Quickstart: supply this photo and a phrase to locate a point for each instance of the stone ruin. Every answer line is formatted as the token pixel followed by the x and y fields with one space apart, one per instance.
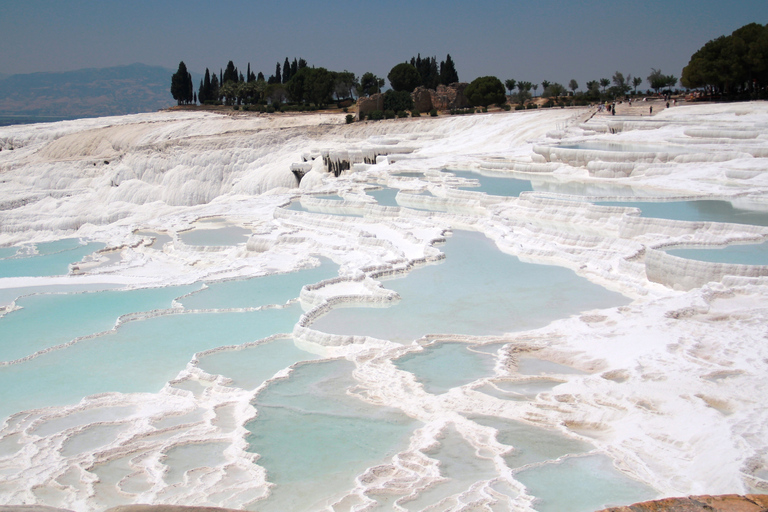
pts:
pixel 445 97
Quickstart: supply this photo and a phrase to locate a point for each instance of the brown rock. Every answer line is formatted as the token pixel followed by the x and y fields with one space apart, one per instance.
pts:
pixel 370 103
pixel 722 503
pixel 422 99
pixel 448 97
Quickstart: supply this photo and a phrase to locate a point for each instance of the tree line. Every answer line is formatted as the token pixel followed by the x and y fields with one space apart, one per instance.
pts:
pixel 297 83
pixel 733 66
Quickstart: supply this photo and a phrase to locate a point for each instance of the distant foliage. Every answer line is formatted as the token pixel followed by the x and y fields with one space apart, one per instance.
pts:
pixel 181 85
pixel 397 100
pixel 448 74
pixel 369 84
pixel 734 65
pixel 485 91
pixel 659 81
pixel 404 77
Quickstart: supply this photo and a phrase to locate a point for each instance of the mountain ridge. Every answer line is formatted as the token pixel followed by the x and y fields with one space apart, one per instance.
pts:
pixel 88 92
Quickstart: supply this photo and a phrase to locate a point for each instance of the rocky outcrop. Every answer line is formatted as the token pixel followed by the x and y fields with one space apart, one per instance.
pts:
pixel 370 103
pixel 723 503
pixel 446 97
pixel 422 99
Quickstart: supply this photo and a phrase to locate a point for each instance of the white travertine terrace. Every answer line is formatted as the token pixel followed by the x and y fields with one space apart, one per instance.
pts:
pixel 671 386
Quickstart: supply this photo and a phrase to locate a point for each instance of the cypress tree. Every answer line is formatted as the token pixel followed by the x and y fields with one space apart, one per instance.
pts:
pixel 260 76
pixel 448 74
pixel 181 84
pixel 278 74
pixel 214 89
pixel 230 74
pixel 302 63
pixel 294 66
pixel 248 74
pixel 190 89
pixel 286 71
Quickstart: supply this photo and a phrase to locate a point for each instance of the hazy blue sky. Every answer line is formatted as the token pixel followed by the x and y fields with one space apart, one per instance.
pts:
pixel 553 40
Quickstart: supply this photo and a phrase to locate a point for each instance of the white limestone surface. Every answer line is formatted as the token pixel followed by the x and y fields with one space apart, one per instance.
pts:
pixel 669 387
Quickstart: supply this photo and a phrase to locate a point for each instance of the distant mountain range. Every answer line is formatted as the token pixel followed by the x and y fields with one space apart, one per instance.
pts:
pixel 84 93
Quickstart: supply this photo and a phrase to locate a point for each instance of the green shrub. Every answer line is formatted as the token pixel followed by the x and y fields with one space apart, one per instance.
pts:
pixel 519 107
pixel 345 110
pixel 484 91
pixel 433 112
pixel 531 106
pixel 401 114
pixel 506 107
pixel 235 107
pixel 485 109
pixel 350 118
pixel 376 115
pixel 415 113
pixel 397 100
pixel 270 109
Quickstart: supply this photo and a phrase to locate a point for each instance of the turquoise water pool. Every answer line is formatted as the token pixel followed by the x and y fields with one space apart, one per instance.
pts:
pixel 742 254
pixel 477 290
pixel 699 210
pixel 509 187
pixel 314 438
pixel 52 259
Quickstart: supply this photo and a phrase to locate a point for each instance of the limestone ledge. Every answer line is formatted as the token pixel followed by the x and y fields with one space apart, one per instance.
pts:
pixel 684 274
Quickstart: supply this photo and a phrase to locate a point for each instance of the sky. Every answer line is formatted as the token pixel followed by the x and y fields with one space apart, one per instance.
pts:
pixel 554 40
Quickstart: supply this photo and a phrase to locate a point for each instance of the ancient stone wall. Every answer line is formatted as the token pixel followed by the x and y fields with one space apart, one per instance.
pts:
pixel 446 97
pixel 370 103
pixel 422 99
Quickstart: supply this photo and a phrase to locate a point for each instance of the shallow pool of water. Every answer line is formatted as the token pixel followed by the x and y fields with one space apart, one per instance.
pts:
pixel 249 367
pixel 582 484
pixel 496 186
pixel 48 320
pixel 314 438
pixel 531 444
pixel 447 365
pixel 742 254
pixel 477 290
pixel 258 291
pixel 699 210
pixel 52 259
pixel 384 196
pixel 140 356
pixel 625 148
